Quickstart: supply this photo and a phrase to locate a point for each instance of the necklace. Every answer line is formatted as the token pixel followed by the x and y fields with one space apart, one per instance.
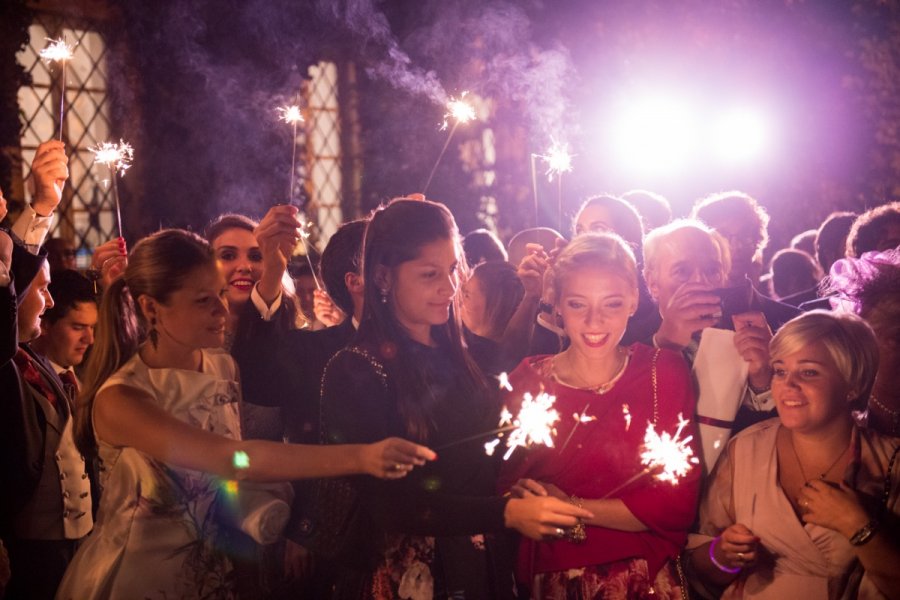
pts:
pixel 603 387
pixel 800 464
pixel 891 414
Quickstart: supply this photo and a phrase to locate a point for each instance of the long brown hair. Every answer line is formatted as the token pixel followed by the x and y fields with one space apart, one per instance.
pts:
pixel 157 266
pixel 395 235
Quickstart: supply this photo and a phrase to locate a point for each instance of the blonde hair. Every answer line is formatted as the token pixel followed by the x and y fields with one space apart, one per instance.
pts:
pixel 847 338
pixel 658 240
pixel 598 251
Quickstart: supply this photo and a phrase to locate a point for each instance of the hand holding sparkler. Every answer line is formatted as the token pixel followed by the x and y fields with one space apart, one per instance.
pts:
pixel 60 52
pixel 117 158
pixel 49 172
pixel 277 235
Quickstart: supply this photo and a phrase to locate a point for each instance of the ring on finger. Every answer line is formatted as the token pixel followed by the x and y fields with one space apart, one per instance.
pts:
pixel 740 556
pixel 397 466
pixel 560 532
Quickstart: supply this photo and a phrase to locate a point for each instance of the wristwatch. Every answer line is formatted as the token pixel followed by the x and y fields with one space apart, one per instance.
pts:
pixel 865 534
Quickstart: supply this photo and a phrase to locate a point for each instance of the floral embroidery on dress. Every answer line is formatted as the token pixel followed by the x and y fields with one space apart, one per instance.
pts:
pixel 405 571
pixel 620 579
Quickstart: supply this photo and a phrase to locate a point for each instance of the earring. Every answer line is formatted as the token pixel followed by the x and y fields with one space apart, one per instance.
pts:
pixel 153 334
pixel 384 296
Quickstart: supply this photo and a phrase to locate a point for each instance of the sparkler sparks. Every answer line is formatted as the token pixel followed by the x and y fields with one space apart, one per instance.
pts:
pixel 117 157
pixel 504 382
pixel 57 51
pixel 458 110
pixel 583 418
pixel 627 413
pixel 290 114
pixel 558 160
pixel 533 425
pixel 668 453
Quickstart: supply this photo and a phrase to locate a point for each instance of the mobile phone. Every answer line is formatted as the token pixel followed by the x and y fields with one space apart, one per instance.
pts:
pixel 735 300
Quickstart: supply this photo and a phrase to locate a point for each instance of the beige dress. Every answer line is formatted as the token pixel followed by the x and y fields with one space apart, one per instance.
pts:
pixel 155 535
pixel 799 560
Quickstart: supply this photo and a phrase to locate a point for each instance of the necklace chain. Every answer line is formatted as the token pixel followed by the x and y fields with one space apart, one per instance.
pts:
pixel 800 464
pixel 603 387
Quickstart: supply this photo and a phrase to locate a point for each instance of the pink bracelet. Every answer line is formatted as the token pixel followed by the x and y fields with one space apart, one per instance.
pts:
pixel 720 566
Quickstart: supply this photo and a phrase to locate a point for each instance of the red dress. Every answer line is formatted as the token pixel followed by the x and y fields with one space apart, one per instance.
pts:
pixel 598 456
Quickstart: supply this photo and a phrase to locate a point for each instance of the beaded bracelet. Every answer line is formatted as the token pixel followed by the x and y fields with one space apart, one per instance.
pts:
pixel 720 566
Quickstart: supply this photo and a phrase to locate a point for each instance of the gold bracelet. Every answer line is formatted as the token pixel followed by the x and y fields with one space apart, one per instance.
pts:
pixel 577 534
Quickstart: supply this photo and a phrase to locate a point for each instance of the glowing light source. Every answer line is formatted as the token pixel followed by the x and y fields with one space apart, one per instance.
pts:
pixel 459 110
pixel 740 135
pixel 655 134
pixel 117 157
pixel 290 114
pixel 558 160
pixel 57 51
pixel 667 454
pixel 240 460
pixel 504 382
pixel 534 424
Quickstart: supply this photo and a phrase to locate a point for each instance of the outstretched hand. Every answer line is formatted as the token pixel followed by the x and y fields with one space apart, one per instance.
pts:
pixel 542 517
pixel 393 458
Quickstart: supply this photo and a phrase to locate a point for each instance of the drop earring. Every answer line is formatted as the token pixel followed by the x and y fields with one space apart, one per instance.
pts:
pixel 153 334
pixel 384 296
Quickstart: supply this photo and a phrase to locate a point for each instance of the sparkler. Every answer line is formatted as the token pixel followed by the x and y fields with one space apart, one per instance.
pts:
pixel 291 115
pixel 667 456
pixel 461 112
pixel 534 424
pixel 504 382
pixel 558 161
pixel 304 236
pixel 627 414
pixel 59 51
pixel 117 158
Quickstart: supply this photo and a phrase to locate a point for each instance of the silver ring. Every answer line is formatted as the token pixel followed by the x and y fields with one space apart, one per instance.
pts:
pixel 397 466
pixel 560 532
pixel 740 556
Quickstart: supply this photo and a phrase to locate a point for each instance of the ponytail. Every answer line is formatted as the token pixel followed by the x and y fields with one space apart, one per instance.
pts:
pixel 118 337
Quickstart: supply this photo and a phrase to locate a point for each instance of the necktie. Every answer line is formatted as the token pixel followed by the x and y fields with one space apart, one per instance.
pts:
pixel 33 377
pixel 70 384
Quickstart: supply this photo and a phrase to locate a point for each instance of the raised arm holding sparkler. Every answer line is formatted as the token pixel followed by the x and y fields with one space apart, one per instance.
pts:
pixel 598 461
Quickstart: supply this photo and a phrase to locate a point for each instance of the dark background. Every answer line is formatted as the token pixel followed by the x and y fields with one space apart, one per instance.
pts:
pixel 195 82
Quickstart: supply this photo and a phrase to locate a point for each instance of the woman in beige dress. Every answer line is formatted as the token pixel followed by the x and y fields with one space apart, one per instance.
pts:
pixel 806 505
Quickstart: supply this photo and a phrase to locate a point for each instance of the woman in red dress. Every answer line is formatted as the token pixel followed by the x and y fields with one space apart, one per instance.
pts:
pixel 606 395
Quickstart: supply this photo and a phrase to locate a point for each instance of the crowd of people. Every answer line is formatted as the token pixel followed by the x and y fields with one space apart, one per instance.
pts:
pixel 202 417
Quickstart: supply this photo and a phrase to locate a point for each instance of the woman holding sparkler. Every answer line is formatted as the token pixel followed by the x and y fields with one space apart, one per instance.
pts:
pixel 161 407
pixel 408 373
pixel 808 503
pixel 234 240
pixel 607 394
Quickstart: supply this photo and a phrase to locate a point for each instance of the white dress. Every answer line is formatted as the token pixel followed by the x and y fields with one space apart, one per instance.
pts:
pixel 155 535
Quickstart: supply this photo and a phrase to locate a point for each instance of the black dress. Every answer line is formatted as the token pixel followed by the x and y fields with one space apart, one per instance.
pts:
pixel 429 527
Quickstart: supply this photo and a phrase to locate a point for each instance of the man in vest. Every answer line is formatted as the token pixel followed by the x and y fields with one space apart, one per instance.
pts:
pixel 45 507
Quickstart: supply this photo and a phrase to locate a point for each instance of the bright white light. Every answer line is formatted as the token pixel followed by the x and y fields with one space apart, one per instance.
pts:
pixel 655 134
pixel 740 135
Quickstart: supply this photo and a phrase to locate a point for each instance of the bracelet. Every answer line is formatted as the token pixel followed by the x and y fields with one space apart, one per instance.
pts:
pixel 577 533
pixel 865 534
pixel 718 565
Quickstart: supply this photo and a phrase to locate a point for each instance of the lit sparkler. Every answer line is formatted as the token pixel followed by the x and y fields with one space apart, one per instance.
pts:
pixel 558 161
pixel 504 382
pixel 305 232
pixel 626 412
pixel 117 158
pixel 534 424
pixel 583 418
pixel 59 51
pixel 668 454
pixel 668 457
pixel 291 115
pixel 459 111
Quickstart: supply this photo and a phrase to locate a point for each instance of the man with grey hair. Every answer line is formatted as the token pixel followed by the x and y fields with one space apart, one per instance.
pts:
pixel 723 336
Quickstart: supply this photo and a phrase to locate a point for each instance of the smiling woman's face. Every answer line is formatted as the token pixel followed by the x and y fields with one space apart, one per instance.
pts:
pixel 240 262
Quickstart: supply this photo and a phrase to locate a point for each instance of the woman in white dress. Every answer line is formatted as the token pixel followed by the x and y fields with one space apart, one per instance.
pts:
pixel 806 505
pixel 160 407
